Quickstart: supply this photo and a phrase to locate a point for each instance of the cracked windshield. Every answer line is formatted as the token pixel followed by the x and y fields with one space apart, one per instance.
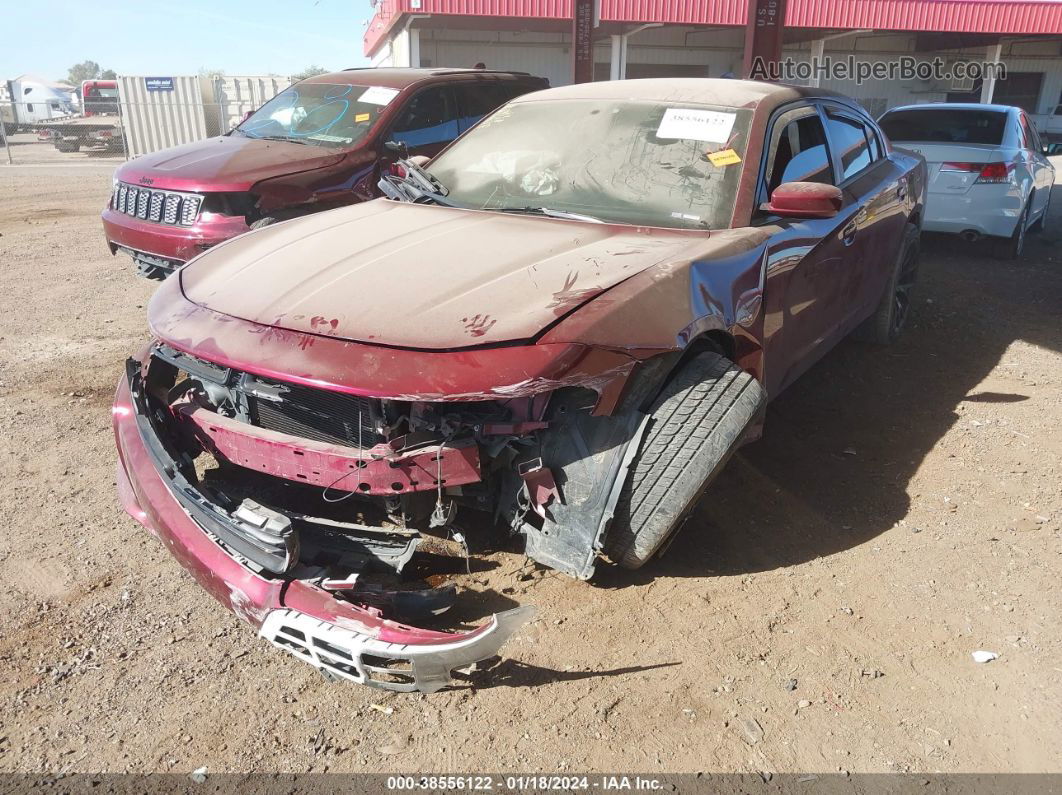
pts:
pixel 646 163
pixel 321 114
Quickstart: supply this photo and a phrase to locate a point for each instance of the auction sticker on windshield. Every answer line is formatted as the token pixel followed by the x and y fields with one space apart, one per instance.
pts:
pixel 696 125
pixel 378 95
pixel 728 157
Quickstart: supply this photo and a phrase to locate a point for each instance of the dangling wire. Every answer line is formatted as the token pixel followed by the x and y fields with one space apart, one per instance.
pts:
pixel 360 466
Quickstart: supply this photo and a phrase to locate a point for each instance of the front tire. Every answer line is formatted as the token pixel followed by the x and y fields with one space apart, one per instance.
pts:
pixel 694 427
pixel 268 220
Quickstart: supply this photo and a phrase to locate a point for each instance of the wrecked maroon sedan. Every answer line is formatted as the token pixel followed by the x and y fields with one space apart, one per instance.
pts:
pixel 567 321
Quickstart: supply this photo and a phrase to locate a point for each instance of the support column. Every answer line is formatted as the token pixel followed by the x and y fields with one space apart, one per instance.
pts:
pixel 414 46
pixel 618 67
pixel 618 64
pixel 817 48
pixel 763 34
pixel 583 13
pixel 988 85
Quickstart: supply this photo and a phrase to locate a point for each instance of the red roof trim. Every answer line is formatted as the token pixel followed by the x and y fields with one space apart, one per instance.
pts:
pixel 1026 17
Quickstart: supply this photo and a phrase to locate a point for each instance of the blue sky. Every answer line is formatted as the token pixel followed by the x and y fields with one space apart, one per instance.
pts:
pixel 237 36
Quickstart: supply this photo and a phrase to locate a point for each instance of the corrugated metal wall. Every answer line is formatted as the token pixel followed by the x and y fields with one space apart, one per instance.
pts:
pixel 234 96
pixel 155 120
pixel 711 52
pixel 544 54
pixel 198 107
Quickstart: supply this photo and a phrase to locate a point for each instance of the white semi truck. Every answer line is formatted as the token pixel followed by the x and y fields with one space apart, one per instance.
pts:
pixel 32 104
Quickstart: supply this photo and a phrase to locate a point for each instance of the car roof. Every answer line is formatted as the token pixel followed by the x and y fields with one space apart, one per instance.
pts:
pixel 707 90
pixel 955 106
pixel 398 77
pixel 763 97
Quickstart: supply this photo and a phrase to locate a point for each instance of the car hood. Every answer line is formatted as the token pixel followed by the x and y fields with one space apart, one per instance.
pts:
pixel 422 276
pixel 225 163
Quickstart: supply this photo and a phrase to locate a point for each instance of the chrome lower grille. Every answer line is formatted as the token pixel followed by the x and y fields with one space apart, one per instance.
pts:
pixel 174 208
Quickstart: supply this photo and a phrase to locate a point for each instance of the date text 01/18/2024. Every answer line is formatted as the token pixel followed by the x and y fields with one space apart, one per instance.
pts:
pixel 520 783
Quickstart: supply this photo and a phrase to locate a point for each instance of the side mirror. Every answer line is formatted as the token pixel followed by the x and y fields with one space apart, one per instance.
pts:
pixel 805 200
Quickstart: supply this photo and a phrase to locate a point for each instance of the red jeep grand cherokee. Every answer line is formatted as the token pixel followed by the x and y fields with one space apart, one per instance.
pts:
pixel 316 145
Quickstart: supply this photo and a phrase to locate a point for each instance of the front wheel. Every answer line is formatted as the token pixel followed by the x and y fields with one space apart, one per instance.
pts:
pixel 263 222
pixel 694 427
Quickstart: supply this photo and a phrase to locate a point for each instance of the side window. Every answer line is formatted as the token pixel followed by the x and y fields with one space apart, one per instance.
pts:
pixel 476 99
pixel 849 139
pixel 1028 139
pixel 798 153
pixel 428 118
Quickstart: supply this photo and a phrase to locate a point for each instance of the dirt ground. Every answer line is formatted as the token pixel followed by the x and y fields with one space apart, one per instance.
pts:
pixel 817 614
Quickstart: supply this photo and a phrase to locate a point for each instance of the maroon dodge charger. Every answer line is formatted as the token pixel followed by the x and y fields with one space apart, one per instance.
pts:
pixel 567 321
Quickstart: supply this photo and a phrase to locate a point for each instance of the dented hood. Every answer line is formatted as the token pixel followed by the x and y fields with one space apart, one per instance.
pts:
pixel 422 276
pixel 225 163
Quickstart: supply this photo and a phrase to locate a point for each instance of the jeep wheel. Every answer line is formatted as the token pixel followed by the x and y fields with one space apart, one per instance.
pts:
pixel 694 426
pixel 888 320
pixel 267 220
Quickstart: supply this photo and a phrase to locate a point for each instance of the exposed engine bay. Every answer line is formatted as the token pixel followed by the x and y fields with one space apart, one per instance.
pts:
pixel 334 486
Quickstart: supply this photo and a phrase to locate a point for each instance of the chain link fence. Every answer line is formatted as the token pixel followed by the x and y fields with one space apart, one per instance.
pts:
pixel 148 114
pixel 51 132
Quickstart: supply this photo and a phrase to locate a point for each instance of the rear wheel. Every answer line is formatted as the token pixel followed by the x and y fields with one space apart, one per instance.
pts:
pixel 1012 247
pixel 888 320
pixel 694 427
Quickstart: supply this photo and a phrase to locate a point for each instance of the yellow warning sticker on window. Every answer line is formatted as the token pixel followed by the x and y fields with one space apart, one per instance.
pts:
pixel 362 117
pixel 727 157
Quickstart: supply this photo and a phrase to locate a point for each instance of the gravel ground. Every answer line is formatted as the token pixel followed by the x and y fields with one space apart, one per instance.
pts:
pixel 817 614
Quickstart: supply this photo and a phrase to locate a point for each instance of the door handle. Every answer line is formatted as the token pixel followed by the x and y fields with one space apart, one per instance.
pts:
pixel 849 232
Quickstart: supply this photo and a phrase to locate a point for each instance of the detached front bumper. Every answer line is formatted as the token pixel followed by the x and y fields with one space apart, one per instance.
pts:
pixel 341 639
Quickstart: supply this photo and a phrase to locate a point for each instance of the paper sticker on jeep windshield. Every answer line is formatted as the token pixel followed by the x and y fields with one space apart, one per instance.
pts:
pixel 696 125
pixel 378 95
